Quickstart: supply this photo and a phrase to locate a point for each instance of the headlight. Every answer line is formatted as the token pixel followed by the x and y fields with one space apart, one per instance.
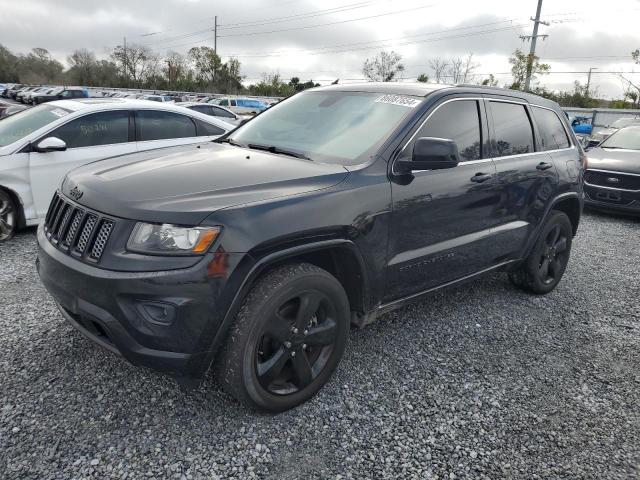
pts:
pixel 168 239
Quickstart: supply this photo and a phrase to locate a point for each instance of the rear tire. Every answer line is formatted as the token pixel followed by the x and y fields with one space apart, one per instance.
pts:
pixel 9 216
pixel 542 270
pixel 288 337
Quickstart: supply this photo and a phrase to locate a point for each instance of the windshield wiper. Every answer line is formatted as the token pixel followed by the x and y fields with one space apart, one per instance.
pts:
pixel 230 142
pixel 277 150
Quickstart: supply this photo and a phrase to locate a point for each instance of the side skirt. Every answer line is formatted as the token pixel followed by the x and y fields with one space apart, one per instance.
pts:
pixel 415 297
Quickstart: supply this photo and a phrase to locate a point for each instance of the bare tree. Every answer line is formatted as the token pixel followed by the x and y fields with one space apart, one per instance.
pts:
pixel 384 67
pixel 461 69
pixel 439 66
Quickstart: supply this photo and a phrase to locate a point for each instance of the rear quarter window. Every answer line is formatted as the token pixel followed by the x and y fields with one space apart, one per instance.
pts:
pixel 553 136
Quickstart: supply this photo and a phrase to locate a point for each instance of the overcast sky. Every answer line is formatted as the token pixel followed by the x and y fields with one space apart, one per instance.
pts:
pixel 328 39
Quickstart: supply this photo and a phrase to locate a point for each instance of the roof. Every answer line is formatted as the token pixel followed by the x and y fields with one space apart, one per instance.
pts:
pixel 423 89
pixel 399 88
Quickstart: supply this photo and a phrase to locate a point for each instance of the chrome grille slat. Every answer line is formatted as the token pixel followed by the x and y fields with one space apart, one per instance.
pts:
pixel 101 239
pixel 58 220
pixel 77 231
pixel 85 234
pixel 73 228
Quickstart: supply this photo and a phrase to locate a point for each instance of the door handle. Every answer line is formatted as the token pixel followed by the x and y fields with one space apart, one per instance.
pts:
pixel 543 166
pixel 481 177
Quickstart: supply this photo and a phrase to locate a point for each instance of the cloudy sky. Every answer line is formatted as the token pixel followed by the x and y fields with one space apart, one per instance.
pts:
pixel 328 39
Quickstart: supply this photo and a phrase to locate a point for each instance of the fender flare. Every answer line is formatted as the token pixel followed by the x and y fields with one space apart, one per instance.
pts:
pixel 254 273
pixel 557 199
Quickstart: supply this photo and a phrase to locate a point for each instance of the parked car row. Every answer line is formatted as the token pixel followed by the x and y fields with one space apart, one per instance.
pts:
pixel 583 128
pixel 35 95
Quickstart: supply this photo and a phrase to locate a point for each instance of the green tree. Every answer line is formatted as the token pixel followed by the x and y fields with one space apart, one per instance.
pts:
pixel 491 81
pixel 384 67
pixel 519 61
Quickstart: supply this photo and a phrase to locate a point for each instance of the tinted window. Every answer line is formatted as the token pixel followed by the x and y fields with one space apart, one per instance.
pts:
pixel 200 108
pixel 221 112
pixel 206 129
pixel 552 133
pixel 154 125
pixel 513 134
pixel 104 128
pixel 224 102
pixel 233 103
pixel 458 121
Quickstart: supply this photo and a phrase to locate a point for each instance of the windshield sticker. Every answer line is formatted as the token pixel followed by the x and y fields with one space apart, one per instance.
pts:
pixel 399 100
pixel 58 112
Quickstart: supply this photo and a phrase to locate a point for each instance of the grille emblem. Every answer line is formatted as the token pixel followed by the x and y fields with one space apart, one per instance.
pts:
pixel 76 193
pixel 613 180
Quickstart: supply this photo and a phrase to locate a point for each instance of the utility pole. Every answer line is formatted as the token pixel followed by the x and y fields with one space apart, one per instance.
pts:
pixel 589 79
pixel 533 37
pixel 215 35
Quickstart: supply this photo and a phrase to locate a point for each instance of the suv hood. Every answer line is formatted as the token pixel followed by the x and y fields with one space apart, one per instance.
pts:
pixel 615 160
pixel 183 185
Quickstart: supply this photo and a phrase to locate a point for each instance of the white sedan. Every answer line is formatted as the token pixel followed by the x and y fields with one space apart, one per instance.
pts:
pixel 40 145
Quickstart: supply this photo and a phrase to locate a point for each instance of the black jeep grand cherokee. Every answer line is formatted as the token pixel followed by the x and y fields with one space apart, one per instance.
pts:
pixel 254 254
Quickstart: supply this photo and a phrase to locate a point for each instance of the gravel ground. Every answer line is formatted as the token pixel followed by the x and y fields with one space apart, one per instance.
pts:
pixel 481 381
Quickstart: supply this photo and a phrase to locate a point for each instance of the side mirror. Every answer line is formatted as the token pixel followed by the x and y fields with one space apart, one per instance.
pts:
pixel 50 144
pixel 430 154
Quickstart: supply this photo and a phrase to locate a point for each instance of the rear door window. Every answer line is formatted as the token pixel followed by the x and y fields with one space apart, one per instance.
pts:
pixel 553 136
pixel 103 128
pixel 513 133
pixel 158 125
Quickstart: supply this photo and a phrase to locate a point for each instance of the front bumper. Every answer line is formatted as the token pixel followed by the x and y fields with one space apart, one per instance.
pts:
pixel 612 199
pixel 165 320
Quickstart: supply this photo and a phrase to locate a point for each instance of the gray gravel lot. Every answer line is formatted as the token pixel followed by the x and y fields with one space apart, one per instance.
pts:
pixel 481 381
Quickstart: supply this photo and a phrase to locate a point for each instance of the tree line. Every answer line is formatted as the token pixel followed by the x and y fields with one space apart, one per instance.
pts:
pixel 388 67
pixel 201 69
pixel 136 66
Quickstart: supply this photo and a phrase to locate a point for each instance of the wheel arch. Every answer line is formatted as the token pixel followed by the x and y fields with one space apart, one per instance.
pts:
pixel 571 206
pixel 19 205
pixel 340 257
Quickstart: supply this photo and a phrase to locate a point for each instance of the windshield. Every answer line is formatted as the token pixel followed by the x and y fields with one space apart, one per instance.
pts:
pixel 626 138
pixel 328 126
pixel 625 122
pixel 25 123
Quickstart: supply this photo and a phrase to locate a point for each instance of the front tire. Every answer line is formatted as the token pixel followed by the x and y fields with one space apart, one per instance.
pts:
pixel 287 339
pixel 8 216
pixel 542 270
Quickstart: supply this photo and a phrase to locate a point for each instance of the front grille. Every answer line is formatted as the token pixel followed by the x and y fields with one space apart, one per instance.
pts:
pixel 605 179
pixel 76 231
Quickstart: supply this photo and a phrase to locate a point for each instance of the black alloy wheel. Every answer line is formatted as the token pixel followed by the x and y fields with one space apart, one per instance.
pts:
pixel 542 270
pixel 8 216
pixel 554 255
pixel 296 342
pixel 288 337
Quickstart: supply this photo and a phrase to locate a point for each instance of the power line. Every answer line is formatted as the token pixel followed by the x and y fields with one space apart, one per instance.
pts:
pixel 329 23
pixel 316 13
pixel 370 42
